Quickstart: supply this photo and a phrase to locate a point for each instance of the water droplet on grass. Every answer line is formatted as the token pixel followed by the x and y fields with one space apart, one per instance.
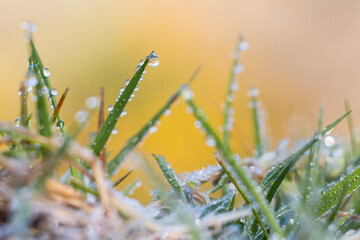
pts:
pixel 243 46
pixel 210 141
pixel 253 92
pixel 238 69
pixel 154 60
pixel 53 92
pixel 110 108
pixel 115 131
pixel 46 72
pixel 17 122
pixel 60 124
pixel 329 141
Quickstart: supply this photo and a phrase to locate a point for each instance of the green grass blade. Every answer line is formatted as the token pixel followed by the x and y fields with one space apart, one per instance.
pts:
pixel 131 144
pixel 343 220
pixel 170 176
pixel 118 108
pixel 259 146
pixel 45 79
pixel 354 144
pixel 242 193
pixel 279 173
pixel 81 186
pixel 232 87
pixel 340 190
pixel 24 114
pixel 44 124
pixel 223 180
pixel 219 205
pixel 250 184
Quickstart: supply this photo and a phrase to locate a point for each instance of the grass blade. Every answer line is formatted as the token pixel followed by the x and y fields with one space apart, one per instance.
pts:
pixel 119 106
pixel 114 164
pixel 170 176
pixel 340 190
pixel 232 87
pixel 122 178
pixel 24 114
pixel 43 77
pixel 250 184
pixel 242 193
pixel 259 146
pixel 58 107
pixel 279 173
pixel 44 125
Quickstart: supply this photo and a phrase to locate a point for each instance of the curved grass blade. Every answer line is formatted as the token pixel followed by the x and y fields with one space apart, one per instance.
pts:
pixel 170 176
pixel 119 106
pixel 340 190
pixel 114 164
pixel 250 184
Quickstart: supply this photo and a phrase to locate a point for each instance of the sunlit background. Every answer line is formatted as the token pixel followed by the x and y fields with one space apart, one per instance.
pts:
pixel 302 54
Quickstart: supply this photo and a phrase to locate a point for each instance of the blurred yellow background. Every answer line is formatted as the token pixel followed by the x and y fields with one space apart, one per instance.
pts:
pixel 302 54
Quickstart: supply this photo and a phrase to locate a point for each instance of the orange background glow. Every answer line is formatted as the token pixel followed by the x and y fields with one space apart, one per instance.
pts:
pixel 302 54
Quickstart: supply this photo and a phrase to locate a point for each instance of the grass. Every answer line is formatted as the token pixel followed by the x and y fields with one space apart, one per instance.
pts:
pixel 289 199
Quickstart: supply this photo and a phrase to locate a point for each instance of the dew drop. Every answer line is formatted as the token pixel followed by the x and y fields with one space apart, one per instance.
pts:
pixel 197 124
pixel 60 124
pixel 81 116
pixel 210 141
pixel 17 122
pixel 136 89
pixel 53 92
pixel 123 113
pixel 153 129
pixel 167 112
pixel 187 94
pixel 115 131
pixel 110 108
pixel 243 46
pixel 31 79
pixel 92 102
pixel 238 69
pixel 154 60
pixel 122 89
pixel 141 62
pixel 253 92
pixel 46 72
pixel 329 141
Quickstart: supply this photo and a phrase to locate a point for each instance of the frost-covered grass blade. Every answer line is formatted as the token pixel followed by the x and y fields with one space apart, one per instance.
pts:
pixel 250 184
pixel 170 177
